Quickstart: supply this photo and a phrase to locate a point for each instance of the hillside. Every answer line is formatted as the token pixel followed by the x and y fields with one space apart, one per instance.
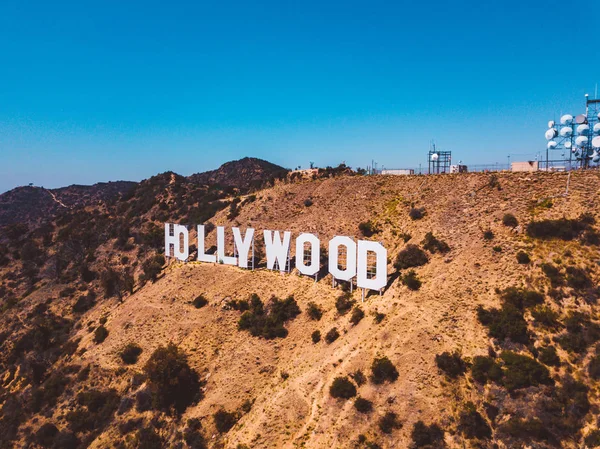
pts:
pixel 478 364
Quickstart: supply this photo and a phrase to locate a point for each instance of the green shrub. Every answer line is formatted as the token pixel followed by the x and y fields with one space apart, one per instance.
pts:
pixel 546 317
pixel 96 409
pixel 434 245
pixel 497 249
pixel 199 301
pixel 505 323
pixel 488 234
pixel 358 377
pixel 316 336
pixel 523 258
pixel 411 256
pixel 521 371
pixel 383 370
pixel 424 436
pixel 174 385
pixel 130 353
pixel 153 267
pixel 100 334
pixel 562 229
pixel 269 323
pixel 580 334
pixel 342 388
pixel 363 405
pixel 45 435
pixel 577 278
pixel 389 422
pixel 368 228
pixel 332 335
pixel 521 298
pixel 147 438
pixel 526 429
pixel 357 315
pixel 308 202
pixel 313 311
pixel 594 367
pixel 344 303
pixel 548 356
pixel 416 213
pixel 485 368
pixel 472 425
pixel 411 281
pixel 592 439
pixel 510 220
pixel 224 420
pixel 451 364
pixel 378 317
pixel 553 274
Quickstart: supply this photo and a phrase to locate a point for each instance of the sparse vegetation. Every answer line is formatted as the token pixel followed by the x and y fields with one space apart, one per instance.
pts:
pixel 199 301
pixel 523 258
pixel 332 335
pixel 434 245
pixel 363 405
pixel 416 213
pixel 130 353
pixel 173 384
pixel 368 228
pixel 342 388
pixel 424 436
pixel 383 370
pixel 451 363
pixel 224 420
pixel 313 311
pixel 521 371
pixel 510 220
pixel 472 425
pixel 411 256
pixel 357 315
pixel 100 334
pixel 389 422
pixel 344 303
pixel 485 368
pixel 269 323
pixel 411 280
pixel 316 336
pixel 562 229
pixel 548 356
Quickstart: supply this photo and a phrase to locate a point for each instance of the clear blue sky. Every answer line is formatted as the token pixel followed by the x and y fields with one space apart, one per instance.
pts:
pixel 98 91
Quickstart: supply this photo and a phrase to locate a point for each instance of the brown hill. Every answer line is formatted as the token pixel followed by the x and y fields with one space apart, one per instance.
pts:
pixel 63 380
pixel 245 173
pixel 30 205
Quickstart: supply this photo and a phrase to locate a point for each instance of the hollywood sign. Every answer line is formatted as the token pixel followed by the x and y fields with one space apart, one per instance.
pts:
pixel 365 260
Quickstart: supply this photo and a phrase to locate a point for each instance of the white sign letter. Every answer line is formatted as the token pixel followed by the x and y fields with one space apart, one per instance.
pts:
pixel 380 279
pixel 227 260
pixel 178 252
pixel 276 249
pixel 313 268
pixel 202 256
pixel 350 271
pixel 243 246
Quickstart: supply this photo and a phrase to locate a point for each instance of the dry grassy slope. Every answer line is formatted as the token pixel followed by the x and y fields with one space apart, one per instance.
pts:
pixel 298 412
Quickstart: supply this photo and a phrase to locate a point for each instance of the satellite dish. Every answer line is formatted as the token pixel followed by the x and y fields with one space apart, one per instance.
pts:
pixel 552 145
pixel 581 141
pixel 568 144
pixel 581 119
pixel 435 157
pixel 550 134
pixel 566 131
pixel 583 129
pixel 566 119
pixel 595 157
pixel 597 128
pixel 596 142
pixel 551 124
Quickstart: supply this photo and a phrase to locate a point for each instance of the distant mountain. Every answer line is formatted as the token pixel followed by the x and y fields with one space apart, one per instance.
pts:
pixel 32 204
pixel 245 173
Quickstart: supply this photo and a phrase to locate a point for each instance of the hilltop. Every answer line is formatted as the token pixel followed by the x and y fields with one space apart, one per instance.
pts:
pixel 478 364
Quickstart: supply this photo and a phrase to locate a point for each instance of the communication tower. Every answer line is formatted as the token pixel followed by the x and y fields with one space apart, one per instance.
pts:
pixel 576 138
pixel 439 161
